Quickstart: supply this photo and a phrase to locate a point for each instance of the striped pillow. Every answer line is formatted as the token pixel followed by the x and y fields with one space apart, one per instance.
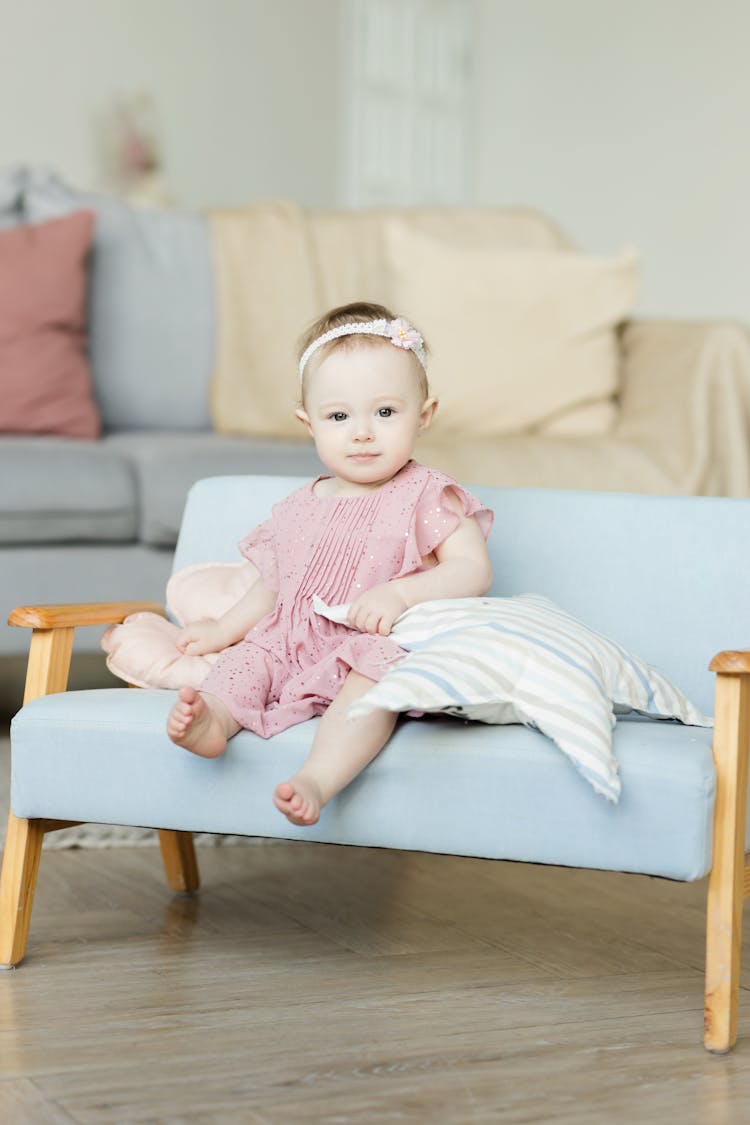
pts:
pixel 525 660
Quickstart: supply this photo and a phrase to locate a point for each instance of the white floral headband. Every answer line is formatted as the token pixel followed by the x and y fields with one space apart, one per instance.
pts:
pixel 398 331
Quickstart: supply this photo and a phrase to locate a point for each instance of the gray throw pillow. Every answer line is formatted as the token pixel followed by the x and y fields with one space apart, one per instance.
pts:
pixel 151 307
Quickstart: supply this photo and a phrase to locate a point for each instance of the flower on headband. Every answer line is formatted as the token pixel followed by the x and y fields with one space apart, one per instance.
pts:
pixel 403 335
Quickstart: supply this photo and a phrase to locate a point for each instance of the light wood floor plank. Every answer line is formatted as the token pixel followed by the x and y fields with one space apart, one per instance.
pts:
pixel 22 1103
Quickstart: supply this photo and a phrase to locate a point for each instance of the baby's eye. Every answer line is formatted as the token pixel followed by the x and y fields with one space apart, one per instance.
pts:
pixel 386 411
pixel 337 416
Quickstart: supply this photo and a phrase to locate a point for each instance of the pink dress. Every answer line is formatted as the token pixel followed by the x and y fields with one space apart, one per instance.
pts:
pixel 293 663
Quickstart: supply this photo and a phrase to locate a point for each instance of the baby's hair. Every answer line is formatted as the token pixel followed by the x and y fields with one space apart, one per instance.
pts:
pixel 353 313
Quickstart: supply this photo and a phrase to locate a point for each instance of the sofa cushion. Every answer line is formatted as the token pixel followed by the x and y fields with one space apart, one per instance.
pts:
pixel 167 464
pixel 348 246
pixel 278 267
pixel 519 338
pixel 121 768
pixel 53 490
pixel 44 367
pixel 151 308
pixel 266 296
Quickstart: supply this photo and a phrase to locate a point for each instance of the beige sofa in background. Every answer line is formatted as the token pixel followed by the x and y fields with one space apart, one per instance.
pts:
pixel 545 377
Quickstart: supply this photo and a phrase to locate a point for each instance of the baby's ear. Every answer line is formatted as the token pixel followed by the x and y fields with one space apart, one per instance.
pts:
pixel 303 417
pixel 427 413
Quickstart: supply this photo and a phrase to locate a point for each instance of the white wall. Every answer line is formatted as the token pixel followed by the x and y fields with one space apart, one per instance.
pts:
pixel 408 102
pixel 627 121
pixel 247 91
pixel 623 119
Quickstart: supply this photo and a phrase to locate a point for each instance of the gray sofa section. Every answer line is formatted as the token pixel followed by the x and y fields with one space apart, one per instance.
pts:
pixel 96 521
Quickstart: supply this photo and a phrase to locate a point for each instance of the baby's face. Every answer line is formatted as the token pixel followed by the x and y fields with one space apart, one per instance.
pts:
pixel 364 409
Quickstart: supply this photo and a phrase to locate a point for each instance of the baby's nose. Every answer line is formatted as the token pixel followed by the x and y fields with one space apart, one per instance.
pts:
pixel 363 430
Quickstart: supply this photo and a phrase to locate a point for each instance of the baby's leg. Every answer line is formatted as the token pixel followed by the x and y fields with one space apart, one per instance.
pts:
pixel 341 750
pixel 201 723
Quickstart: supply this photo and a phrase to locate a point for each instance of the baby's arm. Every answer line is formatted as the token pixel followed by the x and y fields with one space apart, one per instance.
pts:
pixel 463 570
pixel 201 637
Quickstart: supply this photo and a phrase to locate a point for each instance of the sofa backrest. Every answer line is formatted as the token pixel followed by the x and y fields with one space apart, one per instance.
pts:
pixel 153 289
pixel 660 575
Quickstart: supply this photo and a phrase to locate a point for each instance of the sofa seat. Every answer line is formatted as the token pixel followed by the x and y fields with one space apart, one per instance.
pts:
pixel 509 793
pixel 57 490
pixel 166 464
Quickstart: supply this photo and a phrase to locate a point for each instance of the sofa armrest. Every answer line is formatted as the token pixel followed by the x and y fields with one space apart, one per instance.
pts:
pixel 685 400
pixel 85 613
pixel 52 637
pixel 731 662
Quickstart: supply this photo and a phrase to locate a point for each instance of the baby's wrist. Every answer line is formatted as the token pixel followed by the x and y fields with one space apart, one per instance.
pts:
pixel 401 593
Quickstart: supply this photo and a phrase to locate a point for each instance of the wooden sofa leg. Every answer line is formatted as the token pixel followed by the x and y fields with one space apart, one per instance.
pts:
pixel 23 848
pixel 47 673
pixel 727 878
pixel 180 863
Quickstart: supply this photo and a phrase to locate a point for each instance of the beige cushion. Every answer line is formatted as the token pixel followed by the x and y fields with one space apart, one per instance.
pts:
pixel 347 246
pixel 265 297
pixel 520 338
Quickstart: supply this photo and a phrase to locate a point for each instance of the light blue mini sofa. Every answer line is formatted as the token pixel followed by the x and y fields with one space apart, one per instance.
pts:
pixel 665 576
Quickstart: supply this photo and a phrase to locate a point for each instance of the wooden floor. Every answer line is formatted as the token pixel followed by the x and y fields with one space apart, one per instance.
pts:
pixel 312 983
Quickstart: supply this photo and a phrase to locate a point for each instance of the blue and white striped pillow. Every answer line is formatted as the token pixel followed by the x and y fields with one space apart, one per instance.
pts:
pixel 525 660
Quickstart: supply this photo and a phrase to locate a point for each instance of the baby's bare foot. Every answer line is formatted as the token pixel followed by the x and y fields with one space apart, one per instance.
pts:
pixel 193 725
pixel 300 800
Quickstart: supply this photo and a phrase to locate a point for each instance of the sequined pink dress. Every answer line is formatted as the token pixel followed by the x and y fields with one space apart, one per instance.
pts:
pixel 293 662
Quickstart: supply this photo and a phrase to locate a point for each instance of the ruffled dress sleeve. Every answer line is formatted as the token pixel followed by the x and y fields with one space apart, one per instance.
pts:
pixel 434 518
pixel 260 548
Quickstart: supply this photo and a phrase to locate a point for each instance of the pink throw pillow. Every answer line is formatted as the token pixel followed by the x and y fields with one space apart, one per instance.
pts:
pixel 208 589
pixel 143 650
pixel 45 379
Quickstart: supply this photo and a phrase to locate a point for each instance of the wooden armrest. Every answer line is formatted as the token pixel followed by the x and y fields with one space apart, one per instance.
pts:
pixel 86 613
pixel 729 661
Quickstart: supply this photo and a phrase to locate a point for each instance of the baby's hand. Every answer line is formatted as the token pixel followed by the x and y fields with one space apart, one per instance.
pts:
pixel 200 637
pixel 376 610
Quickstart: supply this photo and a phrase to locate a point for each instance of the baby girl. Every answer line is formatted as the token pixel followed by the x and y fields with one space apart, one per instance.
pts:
pixel 380 532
